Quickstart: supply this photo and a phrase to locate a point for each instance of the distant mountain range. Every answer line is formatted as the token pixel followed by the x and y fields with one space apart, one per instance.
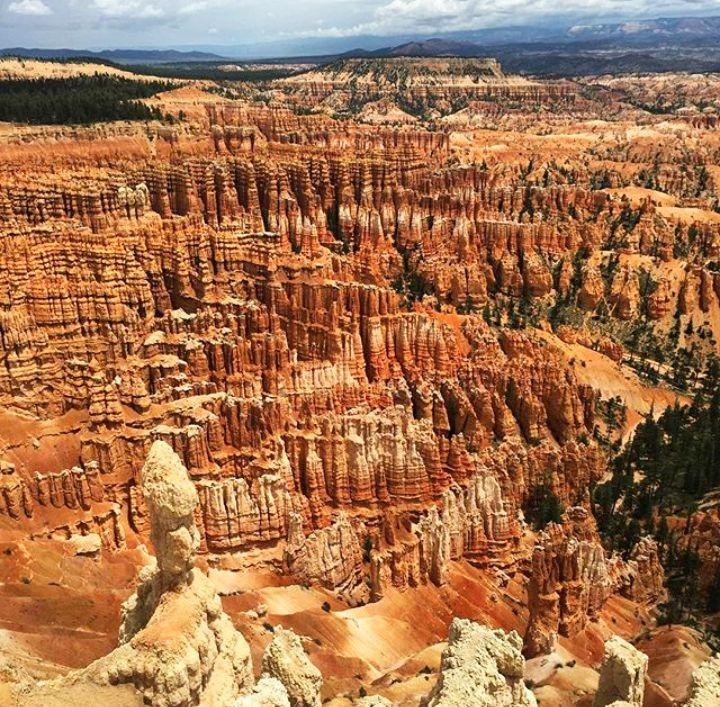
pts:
pixel 119 56
pixel 425 48
pixel 664 44
pixel 680 30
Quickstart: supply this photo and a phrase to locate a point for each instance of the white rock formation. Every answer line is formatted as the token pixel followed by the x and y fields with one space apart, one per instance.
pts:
pixel 268 692
pixel 705 685
pixel 481 668
pixel 622 674
pixel 286 660
pixel 178 648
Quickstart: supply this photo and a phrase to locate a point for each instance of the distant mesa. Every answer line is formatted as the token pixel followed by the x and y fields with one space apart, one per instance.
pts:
pixel 675 28
pixel 436 85
pixel 427 48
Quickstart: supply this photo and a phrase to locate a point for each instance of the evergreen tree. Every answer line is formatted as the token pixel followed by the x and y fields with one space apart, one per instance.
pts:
pixel 80 99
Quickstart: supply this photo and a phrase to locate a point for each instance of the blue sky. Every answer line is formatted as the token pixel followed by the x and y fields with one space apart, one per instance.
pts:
pixel 162 23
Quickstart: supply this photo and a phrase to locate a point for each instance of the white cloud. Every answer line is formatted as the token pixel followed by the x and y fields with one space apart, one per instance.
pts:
pixel 428 16
pixel 192 7
pixel 397 16
pixel 150 11
pixel 123 22
pixel 140 9
pixel 131 9
pixel 29 7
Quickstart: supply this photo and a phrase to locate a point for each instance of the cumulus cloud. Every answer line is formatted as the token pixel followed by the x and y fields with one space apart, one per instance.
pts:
pixel 397 16
pixel 193 7
pixel 159 8
pixel 29 7
pixel 128 9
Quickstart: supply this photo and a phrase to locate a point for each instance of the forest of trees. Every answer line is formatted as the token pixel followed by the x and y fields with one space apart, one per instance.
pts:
pixel 669 464
pixel 81 99
pixel 658 481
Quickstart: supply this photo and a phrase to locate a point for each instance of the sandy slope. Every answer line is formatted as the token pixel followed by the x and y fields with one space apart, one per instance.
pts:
pixel 35 69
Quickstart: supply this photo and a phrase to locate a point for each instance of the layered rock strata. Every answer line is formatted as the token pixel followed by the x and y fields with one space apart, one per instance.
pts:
pixel 332 326
pixel 329 557
pixel 569 582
